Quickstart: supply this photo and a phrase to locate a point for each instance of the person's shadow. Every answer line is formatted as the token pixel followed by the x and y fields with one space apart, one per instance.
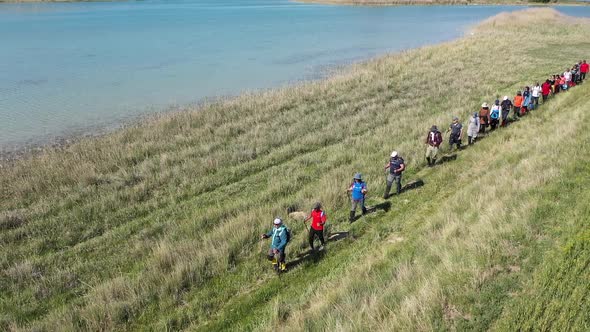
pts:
pixel 413 185
pixel 306 256
pixel 385 206
pixel 446 159
pixel 337 236
pixel 316 255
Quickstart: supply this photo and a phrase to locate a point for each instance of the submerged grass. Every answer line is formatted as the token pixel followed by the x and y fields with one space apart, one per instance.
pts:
pixel 156 227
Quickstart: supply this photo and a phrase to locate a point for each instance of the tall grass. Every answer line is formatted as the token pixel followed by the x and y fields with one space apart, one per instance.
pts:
pixel 156 226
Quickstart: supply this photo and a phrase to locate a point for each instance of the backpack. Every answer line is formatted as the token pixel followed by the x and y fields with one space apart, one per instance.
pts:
pixel 495 114
pixel 288 234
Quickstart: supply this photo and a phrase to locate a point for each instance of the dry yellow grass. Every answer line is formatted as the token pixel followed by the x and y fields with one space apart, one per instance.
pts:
pixel 477 220
pixel 157 226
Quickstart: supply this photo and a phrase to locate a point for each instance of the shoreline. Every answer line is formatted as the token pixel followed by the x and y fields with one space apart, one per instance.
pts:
pixel 393 3
pixel 23 150
pixel 16 151
pixel 367 3
pixel 56 1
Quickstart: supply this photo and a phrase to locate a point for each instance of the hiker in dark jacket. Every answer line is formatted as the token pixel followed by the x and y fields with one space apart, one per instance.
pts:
pixel 357 190
pixel 279 238
pixel 456 134
pixel 433 140
pixel 396 167
pixel 506 106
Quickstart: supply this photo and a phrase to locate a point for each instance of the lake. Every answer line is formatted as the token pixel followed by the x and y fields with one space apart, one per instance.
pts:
pixel 74 68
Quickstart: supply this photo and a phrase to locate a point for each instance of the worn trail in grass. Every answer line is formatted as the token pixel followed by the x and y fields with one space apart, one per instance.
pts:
pixel 473 243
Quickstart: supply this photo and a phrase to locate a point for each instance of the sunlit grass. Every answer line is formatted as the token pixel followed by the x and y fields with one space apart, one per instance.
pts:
pixel 157 226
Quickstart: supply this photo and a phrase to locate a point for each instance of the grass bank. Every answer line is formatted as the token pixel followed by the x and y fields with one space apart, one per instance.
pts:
pixel 156 227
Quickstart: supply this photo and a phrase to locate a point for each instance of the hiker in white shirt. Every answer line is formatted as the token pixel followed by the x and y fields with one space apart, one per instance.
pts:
pixel 568 76
pixel 536 93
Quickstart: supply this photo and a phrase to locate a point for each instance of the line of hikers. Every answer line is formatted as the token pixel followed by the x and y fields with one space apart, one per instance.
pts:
pixel 493 117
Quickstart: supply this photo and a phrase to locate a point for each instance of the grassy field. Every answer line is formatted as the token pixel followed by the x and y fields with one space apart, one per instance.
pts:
pixel 156 227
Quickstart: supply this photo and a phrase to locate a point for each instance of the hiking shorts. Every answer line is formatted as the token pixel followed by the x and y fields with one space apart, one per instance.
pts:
pixel 431 152
pixel 354 203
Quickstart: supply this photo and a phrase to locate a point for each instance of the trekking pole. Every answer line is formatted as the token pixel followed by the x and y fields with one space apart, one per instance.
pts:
pixel 305 226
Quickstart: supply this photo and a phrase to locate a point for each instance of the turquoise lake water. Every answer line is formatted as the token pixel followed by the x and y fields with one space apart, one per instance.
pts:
pixel 73 68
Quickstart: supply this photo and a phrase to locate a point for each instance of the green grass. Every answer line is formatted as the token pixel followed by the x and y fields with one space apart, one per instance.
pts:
pixel 156 227
pixel 555 298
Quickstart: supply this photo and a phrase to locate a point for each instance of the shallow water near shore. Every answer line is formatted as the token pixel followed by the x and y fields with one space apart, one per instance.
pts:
pixel 76 68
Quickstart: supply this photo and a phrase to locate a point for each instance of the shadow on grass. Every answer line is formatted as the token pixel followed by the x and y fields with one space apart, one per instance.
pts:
pixel 447 158
pixel 307 256
pixel 413 185
pixel 333 237
pixel 385 206
pixel 337 236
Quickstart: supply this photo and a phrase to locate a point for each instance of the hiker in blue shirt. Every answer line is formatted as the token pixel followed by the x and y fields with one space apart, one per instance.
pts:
pixel 357 191
pixel 279 236
pixel 495 115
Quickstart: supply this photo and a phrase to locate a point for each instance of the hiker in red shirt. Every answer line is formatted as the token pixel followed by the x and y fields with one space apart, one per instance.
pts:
pixel 433 140
pixel 584 67
pixel 318 220
pixel 545 90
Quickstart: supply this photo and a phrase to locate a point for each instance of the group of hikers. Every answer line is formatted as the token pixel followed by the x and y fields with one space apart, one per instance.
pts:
pixel 493 117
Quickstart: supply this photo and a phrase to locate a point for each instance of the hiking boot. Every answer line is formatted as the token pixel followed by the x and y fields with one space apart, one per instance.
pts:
pixel 364 210
pixel 283 267
pixel 351 216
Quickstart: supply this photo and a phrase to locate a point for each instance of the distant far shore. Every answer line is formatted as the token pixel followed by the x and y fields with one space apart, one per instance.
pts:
pixel 440 2
pixel 377 2
pixel 48 1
